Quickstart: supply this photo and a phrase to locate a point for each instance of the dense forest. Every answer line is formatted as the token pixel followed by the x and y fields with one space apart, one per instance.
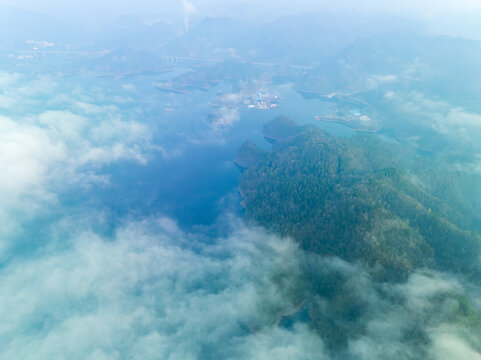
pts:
pixel 368 201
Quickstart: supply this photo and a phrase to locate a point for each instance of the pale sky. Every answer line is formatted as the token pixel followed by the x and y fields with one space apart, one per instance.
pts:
pixel 450 16
pixel 114 8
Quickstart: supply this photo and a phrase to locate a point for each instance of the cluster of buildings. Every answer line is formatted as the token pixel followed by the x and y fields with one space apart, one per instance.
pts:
pixel 264 100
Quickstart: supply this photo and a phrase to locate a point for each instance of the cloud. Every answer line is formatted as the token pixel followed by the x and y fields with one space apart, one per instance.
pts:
pixel 26 156
pixel 438 126
pixel 153 291
pixel 436 114
pixel 149 293
pixel 189 11
pixel 41 153
pixel 300 342
pixel 52 143
pixel 374 81
pixel 455 129
pixel 224 117
pixel 417 321
pixel 189 8
pixel 8 79
pixel 447 346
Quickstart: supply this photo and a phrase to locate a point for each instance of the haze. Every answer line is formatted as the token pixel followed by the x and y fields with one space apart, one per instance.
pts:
pixel 268 180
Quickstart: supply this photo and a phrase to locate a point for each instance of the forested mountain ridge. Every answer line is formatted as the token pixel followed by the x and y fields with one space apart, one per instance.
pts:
pixel 361 199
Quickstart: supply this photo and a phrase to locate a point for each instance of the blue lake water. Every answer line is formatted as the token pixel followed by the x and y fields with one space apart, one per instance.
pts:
pixel 199 181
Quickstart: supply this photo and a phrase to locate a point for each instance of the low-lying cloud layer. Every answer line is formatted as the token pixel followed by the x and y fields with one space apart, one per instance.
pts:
pixel 149 294
pixel 51 141
pixel 153 291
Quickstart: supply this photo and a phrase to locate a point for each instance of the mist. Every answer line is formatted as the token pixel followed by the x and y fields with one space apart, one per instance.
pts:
pixel 203 179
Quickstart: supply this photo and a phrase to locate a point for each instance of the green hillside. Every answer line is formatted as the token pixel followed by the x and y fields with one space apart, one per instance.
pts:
pixel 361 199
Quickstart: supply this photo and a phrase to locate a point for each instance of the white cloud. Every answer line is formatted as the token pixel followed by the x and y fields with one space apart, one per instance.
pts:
pixel 282 344
pixel 447 346
pixel 27 153
pixel 8 79
pixel 41 154
pixel 144 295
pixel 225 117
pixel 189 8
pixel 420 289
pixel 153 291
pixel 453 121
pixel 423 310
pixel 52 142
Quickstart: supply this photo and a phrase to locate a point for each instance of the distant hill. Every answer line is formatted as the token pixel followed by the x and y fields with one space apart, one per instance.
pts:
pixel 18 26
pixel 131 32
pixel 212 37
pixel 124 60
pixel 410 60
